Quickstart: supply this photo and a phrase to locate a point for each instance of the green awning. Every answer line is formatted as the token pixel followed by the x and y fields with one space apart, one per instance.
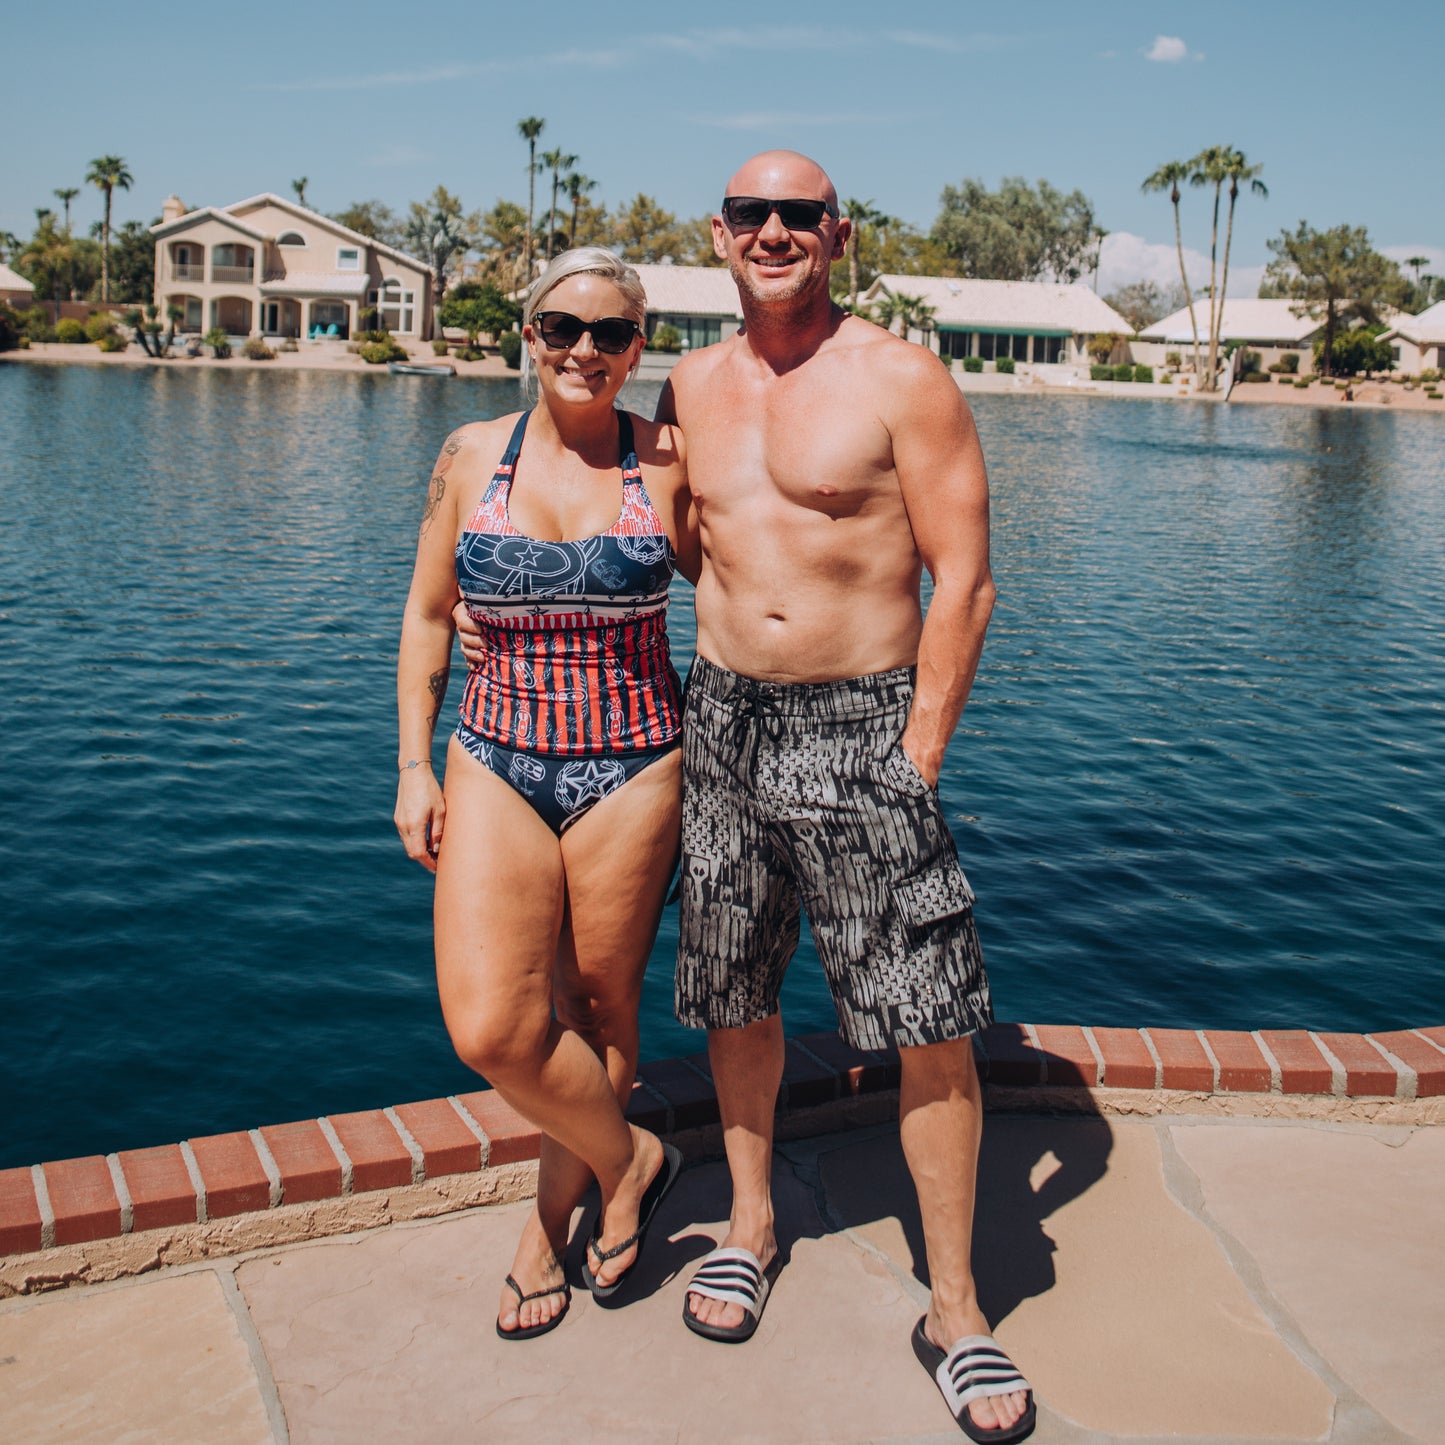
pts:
pixel 1004 330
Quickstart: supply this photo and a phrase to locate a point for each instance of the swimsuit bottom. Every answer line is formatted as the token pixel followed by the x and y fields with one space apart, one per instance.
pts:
pixel 560 790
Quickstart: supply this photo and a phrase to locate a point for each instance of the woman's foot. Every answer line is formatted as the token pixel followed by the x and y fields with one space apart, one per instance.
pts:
pixel 620 1214
pixel 536 1266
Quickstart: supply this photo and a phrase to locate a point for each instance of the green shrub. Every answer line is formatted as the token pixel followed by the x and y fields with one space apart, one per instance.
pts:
pixel 70 331
pixel 99 325
pixel 1433 395
pixel 1285 379
pixel 1255 376
pixel 1290 362
pixel 256 350
pixel 1004 364
pixel 973 363
pixel 1174 359
pixel 9 328
pixel 665 338
pixel 439 346
pixel 378 353
pixel 1143 373
pixel 37 325
pixel 1124 371
pixel 468 353
pixel 1101 373
pixel 219 342
pixel 112 341
pixel 1298 385
pixel 509 343
pixel 1430 375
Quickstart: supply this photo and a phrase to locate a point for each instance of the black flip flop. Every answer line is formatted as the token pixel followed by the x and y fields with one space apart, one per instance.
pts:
pixel 665 1178
pixel 974 1369
pixel 530 1332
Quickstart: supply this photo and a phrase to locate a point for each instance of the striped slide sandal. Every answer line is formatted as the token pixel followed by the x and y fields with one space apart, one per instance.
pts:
pixel 974 1369
pixel 735 1276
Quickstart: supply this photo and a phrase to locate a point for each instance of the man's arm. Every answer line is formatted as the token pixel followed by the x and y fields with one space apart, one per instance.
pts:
pixel 941 473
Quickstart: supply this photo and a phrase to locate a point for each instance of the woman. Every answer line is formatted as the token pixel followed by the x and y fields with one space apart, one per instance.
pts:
pixel 557 831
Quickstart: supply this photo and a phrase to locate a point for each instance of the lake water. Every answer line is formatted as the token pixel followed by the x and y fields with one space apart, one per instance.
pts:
pixel 1200 782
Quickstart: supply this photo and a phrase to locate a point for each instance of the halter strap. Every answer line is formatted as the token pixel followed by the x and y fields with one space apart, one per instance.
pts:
pixel 626 446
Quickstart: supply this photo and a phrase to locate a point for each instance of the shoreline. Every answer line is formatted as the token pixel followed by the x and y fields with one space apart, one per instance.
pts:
pixel 333 357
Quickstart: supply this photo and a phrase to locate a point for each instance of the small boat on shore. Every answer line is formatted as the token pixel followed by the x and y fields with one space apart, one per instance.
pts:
pixel 419 368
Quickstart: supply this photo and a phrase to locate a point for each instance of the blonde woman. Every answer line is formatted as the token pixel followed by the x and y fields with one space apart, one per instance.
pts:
pixel 557 830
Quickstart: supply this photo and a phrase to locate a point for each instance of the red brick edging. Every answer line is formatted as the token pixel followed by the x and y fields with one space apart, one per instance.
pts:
pixel 74 1201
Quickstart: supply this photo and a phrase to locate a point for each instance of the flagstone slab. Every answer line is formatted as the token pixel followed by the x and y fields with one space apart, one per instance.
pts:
pixel 391 1336
pixel 159 1360
pixel 1119 1305
pixel 1346 1228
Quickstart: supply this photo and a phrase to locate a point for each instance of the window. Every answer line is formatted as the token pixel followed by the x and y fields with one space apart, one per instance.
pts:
pixel 395 308
pixel 1021 348
pixel 986 340
pixel 348 258
pixel 292 238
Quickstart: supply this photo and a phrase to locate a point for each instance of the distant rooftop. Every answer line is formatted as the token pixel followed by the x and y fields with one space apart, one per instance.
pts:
pixel 1426 329
pixel 1245 319
pixel 1041 307
pixel 13 280
pixel 690 290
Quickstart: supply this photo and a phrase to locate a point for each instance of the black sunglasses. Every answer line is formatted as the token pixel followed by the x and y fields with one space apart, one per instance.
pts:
pixel 561 330
pixel 750 213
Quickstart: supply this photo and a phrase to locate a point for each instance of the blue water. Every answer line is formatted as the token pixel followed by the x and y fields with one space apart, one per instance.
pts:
pixel 1199 783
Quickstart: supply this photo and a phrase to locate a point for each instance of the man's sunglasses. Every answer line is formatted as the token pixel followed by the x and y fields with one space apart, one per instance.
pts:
pixel 750 213
pixel 561 330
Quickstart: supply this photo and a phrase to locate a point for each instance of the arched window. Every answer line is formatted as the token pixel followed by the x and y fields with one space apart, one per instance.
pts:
pixel 291 238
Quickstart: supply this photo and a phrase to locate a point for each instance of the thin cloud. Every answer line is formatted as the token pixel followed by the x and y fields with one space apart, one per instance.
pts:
pixel 400 155
pixel 1125 258
pixel 955 44
pixel 1167 48
pixel 793 119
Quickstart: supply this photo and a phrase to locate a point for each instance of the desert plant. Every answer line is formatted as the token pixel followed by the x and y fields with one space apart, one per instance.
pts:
pixel 70 331
pixel 1430 375
pixel 98 325
pixel 219 343
pixel 1143 373
pixel 1005 365
pixel 468 353
pixel 1124 371
pixel 256 350
pixel 1101 346
pixel 112 341
pixel 378 353
pixel 665 338
pixel 509 343
pixel 1174 360
pixel 439 346
pixel 973 363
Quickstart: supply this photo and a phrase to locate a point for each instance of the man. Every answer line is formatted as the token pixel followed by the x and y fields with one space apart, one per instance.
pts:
pixel 830 462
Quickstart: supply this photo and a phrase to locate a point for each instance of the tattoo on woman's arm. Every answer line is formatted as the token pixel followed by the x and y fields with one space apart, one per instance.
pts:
pixel 434 495
pixel 437 685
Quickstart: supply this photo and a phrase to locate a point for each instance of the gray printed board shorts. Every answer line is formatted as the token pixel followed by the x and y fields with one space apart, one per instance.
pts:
pixel 798 794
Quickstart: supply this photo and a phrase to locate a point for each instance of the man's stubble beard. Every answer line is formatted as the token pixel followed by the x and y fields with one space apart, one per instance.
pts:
pixel 779 300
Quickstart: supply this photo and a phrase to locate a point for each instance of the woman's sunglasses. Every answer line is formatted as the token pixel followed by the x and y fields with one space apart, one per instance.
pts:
pixel 561 330
pixel 750 213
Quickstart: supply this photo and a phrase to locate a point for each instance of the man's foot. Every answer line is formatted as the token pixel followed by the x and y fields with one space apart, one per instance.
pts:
pixel 620 1219
pixel 993 1413
pixel 536 1269
pixel 724 1313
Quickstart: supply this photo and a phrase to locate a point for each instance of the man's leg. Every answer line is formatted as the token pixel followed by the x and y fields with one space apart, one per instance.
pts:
pixel 747 1067
pixel 940 1122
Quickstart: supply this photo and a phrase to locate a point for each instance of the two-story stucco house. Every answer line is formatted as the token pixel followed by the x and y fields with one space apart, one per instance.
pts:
pixel 268 267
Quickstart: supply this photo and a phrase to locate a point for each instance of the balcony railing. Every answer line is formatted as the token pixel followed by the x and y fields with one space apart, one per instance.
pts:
pixel 244 274
pixel 184 271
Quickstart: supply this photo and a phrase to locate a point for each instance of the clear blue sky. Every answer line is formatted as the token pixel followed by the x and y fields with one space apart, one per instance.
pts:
pixel 1341 102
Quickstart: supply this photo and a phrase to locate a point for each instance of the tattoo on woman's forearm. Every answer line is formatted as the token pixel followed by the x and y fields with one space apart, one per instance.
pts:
pixel 437 685
pixel 434 496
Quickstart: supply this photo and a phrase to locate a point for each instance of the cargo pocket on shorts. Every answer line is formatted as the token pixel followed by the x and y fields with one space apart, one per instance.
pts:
pixel 898 772
pixel 926 898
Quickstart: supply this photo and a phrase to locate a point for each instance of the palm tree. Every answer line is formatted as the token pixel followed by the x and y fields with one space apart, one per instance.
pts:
pixel 1167 178
pixel 67 194
pixel 529 130
pixel 1414 262
pixel 860 213
pixel 577 186
pixel 299 186
pixel 1208 168
pixel 887 309
pixel 917 315
pixel 1236 169
pixel 108 173
pixel 558 161
pixel 1099 234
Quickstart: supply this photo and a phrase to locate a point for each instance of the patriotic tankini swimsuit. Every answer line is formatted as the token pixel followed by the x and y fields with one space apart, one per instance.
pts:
pixel 577 692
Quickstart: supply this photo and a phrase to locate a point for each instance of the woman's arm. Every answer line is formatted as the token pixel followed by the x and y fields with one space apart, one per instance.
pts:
pixel 666 457
pixel 424 659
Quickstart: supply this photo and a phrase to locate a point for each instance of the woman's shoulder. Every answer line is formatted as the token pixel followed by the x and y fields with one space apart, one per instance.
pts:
pixel 477 438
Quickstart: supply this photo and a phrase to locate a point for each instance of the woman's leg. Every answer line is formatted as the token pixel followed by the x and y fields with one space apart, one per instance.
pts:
pixel 500 898
pixel 618 859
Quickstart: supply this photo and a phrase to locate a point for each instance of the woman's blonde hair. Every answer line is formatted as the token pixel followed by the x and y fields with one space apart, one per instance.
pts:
pixel 580 261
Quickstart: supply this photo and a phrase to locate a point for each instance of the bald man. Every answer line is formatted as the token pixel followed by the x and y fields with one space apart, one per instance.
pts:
pixel 830 463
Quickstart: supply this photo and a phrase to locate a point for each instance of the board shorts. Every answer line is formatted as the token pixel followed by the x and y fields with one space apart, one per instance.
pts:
pixel 799 796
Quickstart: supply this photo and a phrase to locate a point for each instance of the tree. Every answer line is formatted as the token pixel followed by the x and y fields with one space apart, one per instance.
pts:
pixel 133 262
pixel 1140 303
pixel 1355 350
pixel 1017 233
pixel 47 258
pixel 529 130
pixel 373 219
pixel 1236 169
pixel 477 307
pixel 502 239
pixel 66 194
pixel 693 244
pixel 558 161
pixel 911 312
pixel 577 187
pixel 438 233
pixel 1414 262
pixel 860 213
pixel 1168 178
pixel 108 173
pixel 644 231
pixel 299 186
pixel 1335 275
